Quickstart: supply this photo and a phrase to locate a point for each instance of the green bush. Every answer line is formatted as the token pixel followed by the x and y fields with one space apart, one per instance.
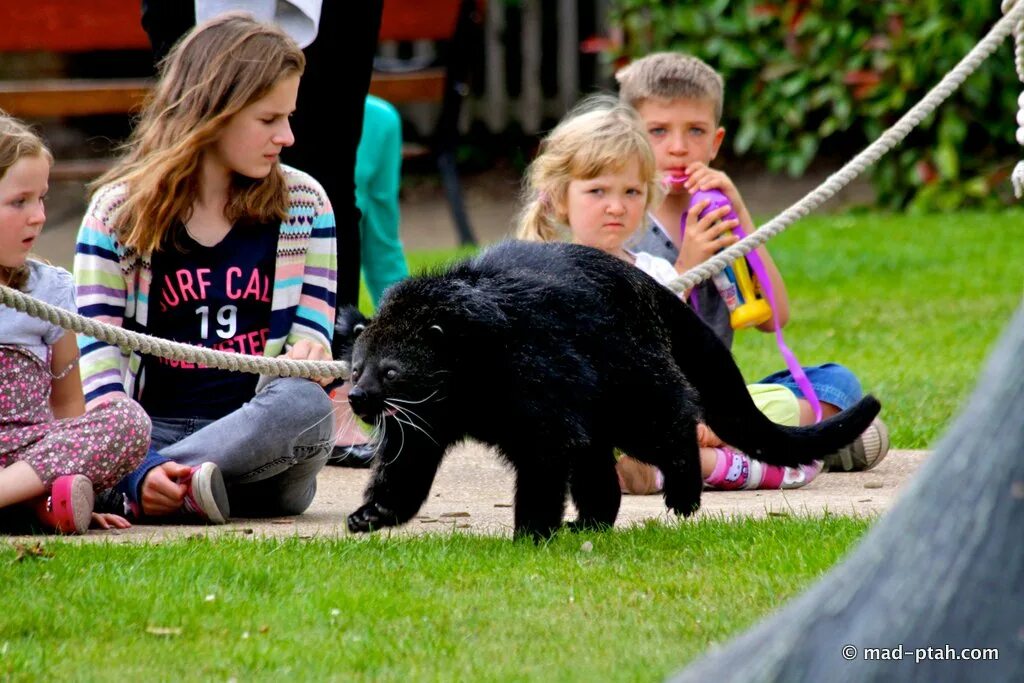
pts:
pixel 809 79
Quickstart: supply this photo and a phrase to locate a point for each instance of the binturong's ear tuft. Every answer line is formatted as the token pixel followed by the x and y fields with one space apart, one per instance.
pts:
pixel 347 326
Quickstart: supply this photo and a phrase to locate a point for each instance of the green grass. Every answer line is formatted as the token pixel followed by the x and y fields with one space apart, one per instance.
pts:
pixel 911 304
pixel 637 606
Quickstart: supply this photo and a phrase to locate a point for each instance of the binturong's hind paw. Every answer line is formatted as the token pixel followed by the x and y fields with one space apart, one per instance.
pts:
pixel 682 503
pixel 369 518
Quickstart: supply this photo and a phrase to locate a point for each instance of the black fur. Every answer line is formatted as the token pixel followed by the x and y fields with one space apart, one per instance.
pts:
pixel 348 323
pixel 556 354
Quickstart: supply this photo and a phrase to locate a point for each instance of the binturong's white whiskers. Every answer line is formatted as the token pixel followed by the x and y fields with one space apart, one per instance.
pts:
pixel 422 400
pixel 408 412
pixel 377 433
pixel 401 430
pixel 348 422
pixel 411 418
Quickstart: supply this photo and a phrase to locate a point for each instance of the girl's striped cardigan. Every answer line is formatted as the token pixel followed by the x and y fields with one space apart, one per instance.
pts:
pixel 113 283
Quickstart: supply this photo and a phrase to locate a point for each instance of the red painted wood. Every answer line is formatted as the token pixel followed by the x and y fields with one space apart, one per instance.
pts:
pixel 71 25
pixel 83 25
pixel 418 19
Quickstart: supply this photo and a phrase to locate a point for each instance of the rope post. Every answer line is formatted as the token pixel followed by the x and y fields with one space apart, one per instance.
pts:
pixel 1018 57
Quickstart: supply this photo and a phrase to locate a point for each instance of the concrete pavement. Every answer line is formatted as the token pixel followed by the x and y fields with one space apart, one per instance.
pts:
pixel 473 494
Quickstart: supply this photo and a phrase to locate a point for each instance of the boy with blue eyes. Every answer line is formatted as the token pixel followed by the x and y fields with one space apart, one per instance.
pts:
pixel 679 99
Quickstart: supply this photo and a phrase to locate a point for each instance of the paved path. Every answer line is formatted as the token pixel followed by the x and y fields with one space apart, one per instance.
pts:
pixel 473 494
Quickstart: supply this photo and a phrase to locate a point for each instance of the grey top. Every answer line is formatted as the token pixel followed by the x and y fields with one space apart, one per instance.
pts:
pixel 654 240
pixel 47 283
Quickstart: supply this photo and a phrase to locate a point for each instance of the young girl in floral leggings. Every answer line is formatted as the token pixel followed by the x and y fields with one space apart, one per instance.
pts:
pixel 52 453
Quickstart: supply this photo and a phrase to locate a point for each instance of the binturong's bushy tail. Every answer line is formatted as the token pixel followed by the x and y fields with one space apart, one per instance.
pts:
pixel 731 413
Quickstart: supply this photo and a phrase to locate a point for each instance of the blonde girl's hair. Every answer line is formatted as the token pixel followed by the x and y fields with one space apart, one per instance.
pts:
pixel 216 70
pixel 600 135
pixel 17 141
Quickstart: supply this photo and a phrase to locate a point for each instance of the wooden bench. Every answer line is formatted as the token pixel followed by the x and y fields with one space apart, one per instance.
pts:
pixel 79 26
pixel 69 27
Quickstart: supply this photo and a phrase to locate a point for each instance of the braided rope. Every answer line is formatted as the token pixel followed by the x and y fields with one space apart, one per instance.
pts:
pixel 154 346
pixel 1012 21
pixel 950 82
pixel 1018 54
pixel 1018 35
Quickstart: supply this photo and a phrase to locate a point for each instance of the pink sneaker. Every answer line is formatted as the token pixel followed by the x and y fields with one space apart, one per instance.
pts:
pixel 68 508
pixel 207 497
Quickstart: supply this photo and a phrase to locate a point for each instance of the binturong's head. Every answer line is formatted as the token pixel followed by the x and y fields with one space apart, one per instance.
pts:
pixel 403 360
pixel 433 334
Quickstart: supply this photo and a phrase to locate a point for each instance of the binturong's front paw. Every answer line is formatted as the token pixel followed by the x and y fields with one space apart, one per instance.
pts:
pixel 371 517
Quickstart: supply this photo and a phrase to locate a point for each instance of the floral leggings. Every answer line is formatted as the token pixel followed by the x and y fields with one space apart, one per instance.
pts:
pixel 103 444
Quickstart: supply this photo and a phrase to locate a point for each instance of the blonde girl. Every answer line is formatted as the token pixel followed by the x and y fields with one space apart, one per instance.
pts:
pixel 597 158
pixel 592 183
pixel 52 453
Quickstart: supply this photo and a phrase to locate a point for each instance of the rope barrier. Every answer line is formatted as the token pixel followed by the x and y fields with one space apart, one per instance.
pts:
pixel 1018 57
pixel 154 346
pixel 1011 22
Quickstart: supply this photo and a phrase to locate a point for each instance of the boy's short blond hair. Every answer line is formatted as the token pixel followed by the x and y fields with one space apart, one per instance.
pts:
pixel 670 76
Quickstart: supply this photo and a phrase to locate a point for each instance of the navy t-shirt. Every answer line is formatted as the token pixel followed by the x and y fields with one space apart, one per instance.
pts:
pixel 217 297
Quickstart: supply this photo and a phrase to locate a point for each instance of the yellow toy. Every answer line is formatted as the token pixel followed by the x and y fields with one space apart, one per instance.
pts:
pixel 740 291
pixel 752 310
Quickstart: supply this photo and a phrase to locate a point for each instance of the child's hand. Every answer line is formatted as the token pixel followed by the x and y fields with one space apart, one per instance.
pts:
pixel 707 438
pixel 700 177
pixel 704 237
pixel 161 492
pixel 307 350
pixel 108 520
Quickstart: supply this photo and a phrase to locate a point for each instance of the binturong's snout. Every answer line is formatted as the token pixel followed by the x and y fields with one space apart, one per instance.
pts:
pixel 365 404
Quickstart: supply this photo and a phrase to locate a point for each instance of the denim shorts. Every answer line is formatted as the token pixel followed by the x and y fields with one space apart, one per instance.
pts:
pixel 832 382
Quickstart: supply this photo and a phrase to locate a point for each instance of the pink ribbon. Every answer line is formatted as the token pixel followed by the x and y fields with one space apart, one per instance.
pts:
pixel 795 369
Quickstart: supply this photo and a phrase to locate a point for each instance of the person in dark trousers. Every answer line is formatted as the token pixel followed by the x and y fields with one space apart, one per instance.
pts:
pixel 340 59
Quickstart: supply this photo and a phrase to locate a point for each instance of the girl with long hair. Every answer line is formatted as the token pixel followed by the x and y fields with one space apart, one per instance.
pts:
pixel 200 235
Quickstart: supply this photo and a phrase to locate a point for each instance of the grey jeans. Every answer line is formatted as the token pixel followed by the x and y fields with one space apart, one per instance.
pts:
pixel 270 450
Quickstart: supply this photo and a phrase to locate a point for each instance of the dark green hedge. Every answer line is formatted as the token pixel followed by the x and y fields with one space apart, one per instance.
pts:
pixel 805 79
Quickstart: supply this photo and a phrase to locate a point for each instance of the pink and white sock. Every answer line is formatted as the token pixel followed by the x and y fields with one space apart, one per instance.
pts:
pixel 731 472
pixel 735 470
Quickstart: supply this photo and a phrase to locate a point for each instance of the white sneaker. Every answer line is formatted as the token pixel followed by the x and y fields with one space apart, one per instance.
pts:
pixel 207 497
pixel 866 451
